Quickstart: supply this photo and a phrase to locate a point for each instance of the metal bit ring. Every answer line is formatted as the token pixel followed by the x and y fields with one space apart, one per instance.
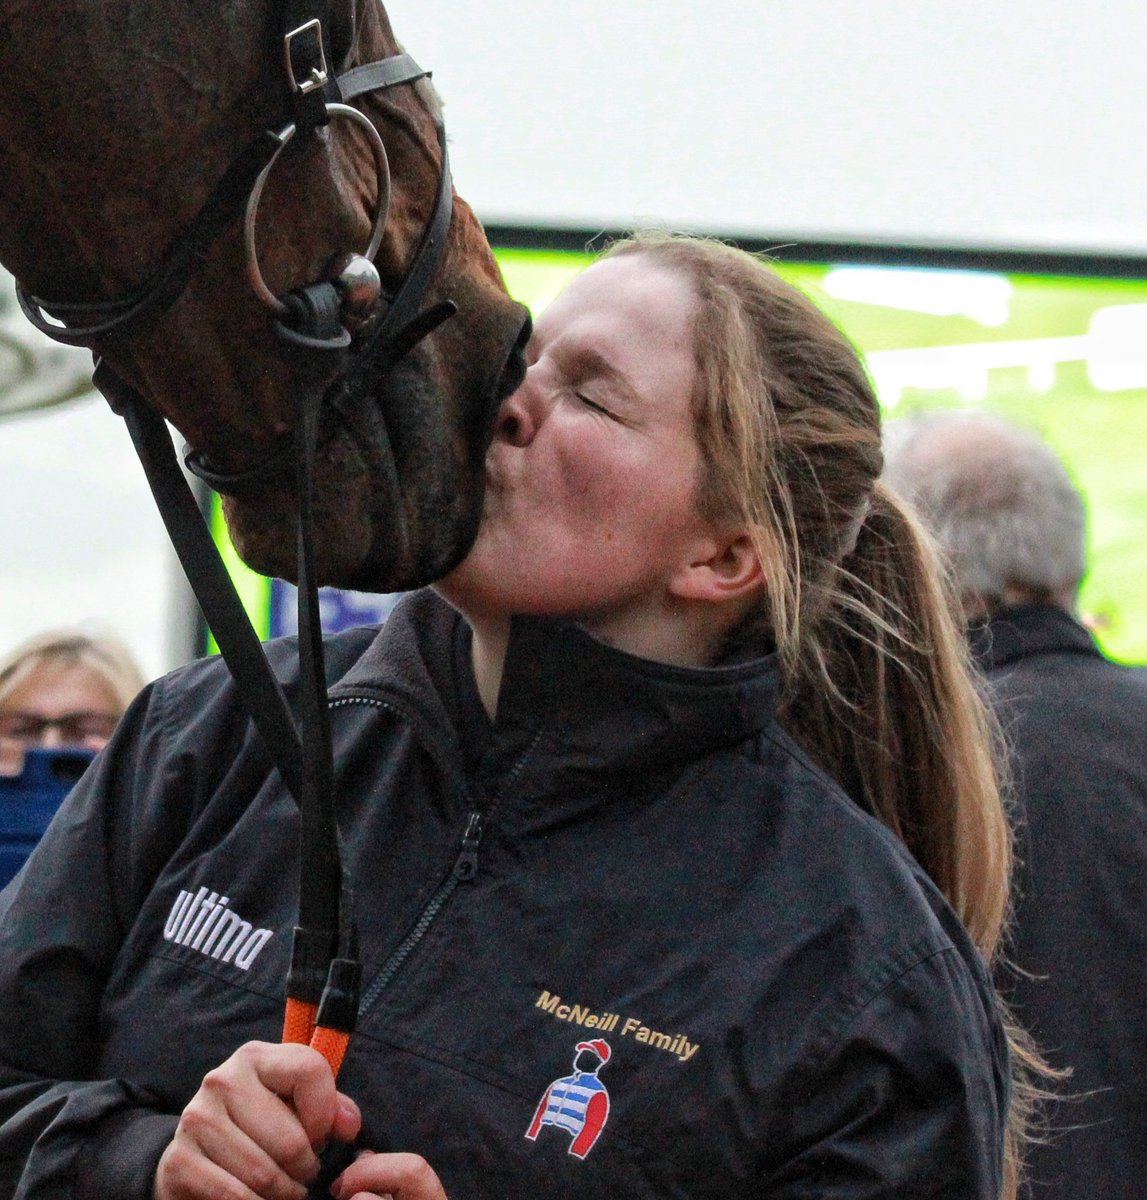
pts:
pixel 382 166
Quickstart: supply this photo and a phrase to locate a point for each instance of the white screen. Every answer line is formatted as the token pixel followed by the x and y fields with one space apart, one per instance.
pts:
pixel 986 123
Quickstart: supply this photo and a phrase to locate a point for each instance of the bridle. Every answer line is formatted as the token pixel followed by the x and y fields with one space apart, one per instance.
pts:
pixel 310 323
pixel 316 97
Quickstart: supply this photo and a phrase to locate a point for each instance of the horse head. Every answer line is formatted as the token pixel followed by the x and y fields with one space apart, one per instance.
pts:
pixel 116 122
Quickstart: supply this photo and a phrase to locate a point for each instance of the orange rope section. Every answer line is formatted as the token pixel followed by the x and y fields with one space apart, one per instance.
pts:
pixel 299 1021
pixel 331 1044
pixel 299 1027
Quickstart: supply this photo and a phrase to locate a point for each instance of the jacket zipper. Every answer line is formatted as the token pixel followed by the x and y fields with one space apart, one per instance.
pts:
pixel 464 870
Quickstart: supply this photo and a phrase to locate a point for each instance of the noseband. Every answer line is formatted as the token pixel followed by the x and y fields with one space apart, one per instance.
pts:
pixel 310 322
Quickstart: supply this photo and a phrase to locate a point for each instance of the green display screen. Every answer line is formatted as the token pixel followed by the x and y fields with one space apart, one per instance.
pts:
pixel 1063 355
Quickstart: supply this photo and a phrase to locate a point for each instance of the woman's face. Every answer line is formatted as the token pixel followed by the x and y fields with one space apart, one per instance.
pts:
pixel 592 475
pixel 56 705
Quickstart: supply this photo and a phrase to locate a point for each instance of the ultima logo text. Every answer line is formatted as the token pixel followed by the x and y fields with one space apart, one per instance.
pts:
pixel 204 922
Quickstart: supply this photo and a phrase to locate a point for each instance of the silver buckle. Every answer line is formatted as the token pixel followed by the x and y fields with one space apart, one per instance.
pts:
pixel 318 76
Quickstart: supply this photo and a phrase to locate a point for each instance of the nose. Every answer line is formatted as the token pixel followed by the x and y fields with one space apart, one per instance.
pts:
pixel 51 738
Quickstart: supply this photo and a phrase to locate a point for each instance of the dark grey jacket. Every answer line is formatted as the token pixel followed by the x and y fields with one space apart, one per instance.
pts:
pixel 1078 725
pixel 776 1001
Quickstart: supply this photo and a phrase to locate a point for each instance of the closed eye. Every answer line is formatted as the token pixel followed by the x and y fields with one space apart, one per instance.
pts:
pixel 593 404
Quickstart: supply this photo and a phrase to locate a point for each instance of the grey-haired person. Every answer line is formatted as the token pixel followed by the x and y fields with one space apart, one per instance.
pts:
pixel 1011 522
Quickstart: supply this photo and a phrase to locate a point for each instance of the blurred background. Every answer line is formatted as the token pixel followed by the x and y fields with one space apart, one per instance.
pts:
pixel 960 185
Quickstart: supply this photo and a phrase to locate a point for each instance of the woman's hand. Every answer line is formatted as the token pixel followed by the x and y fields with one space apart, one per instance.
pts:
pixel 388 1177
pixel 253 1129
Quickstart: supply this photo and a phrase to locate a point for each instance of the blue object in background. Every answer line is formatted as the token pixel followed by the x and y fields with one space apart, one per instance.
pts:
pixel 29 800
pixel 339 608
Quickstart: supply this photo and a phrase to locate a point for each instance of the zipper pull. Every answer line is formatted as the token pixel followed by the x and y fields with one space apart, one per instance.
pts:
pixel 466 865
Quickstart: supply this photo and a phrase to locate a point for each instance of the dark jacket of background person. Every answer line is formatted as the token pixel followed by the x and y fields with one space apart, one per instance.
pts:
pixel 1078 725
pixel 1011 523
pixel 790 1006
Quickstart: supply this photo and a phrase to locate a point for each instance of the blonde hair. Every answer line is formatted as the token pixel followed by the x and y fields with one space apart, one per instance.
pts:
pixel 106 657
pixel 876 679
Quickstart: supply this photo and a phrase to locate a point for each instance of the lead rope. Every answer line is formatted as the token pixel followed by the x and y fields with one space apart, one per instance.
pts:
pixel 323 981
pixel 322 989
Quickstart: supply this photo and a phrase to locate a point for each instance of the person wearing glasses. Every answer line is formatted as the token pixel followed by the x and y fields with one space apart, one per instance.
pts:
pixel 62 688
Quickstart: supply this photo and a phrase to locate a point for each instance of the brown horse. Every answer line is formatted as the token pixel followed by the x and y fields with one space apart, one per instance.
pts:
pixel 116 121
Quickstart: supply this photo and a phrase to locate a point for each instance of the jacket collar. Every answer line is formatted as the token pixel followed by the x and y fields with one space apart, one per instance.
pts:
pixel 1026 630
pixel 596 708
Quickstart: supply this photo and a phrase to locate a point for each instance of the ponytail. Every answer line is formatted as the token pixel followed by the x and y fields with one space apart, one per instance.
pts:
pixel 881 695
pixel 883 698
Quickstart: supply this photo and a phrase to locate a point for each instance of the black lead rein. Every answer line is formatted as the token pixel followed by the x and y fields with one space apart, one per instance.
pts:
pixel 322 987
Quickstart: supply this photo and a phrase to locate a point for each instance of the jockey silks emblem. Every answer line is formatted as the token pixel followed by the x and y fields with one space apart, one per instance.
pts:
pixel 577 1103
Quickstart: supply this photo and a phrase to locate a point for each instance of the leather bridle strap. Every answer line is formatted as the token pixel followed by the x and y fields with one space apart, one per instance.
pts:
pixel 304 25
pixel 260 693
pixel 404 324
pixel 94 320
pixel 378 76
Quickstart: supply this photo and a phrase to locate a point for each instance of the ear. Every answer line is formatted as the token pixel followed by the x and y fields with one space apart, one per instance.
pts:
pixel 723 568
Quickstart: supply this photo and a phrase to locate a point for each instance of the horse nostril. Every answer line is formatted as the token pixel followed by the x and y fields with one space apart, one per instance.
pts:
pixel 514 369
pixel 512 374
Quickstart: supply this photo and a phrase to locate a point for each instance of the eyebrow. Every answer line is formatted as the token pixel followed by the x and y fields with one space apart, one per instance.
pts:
pixel 589 359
